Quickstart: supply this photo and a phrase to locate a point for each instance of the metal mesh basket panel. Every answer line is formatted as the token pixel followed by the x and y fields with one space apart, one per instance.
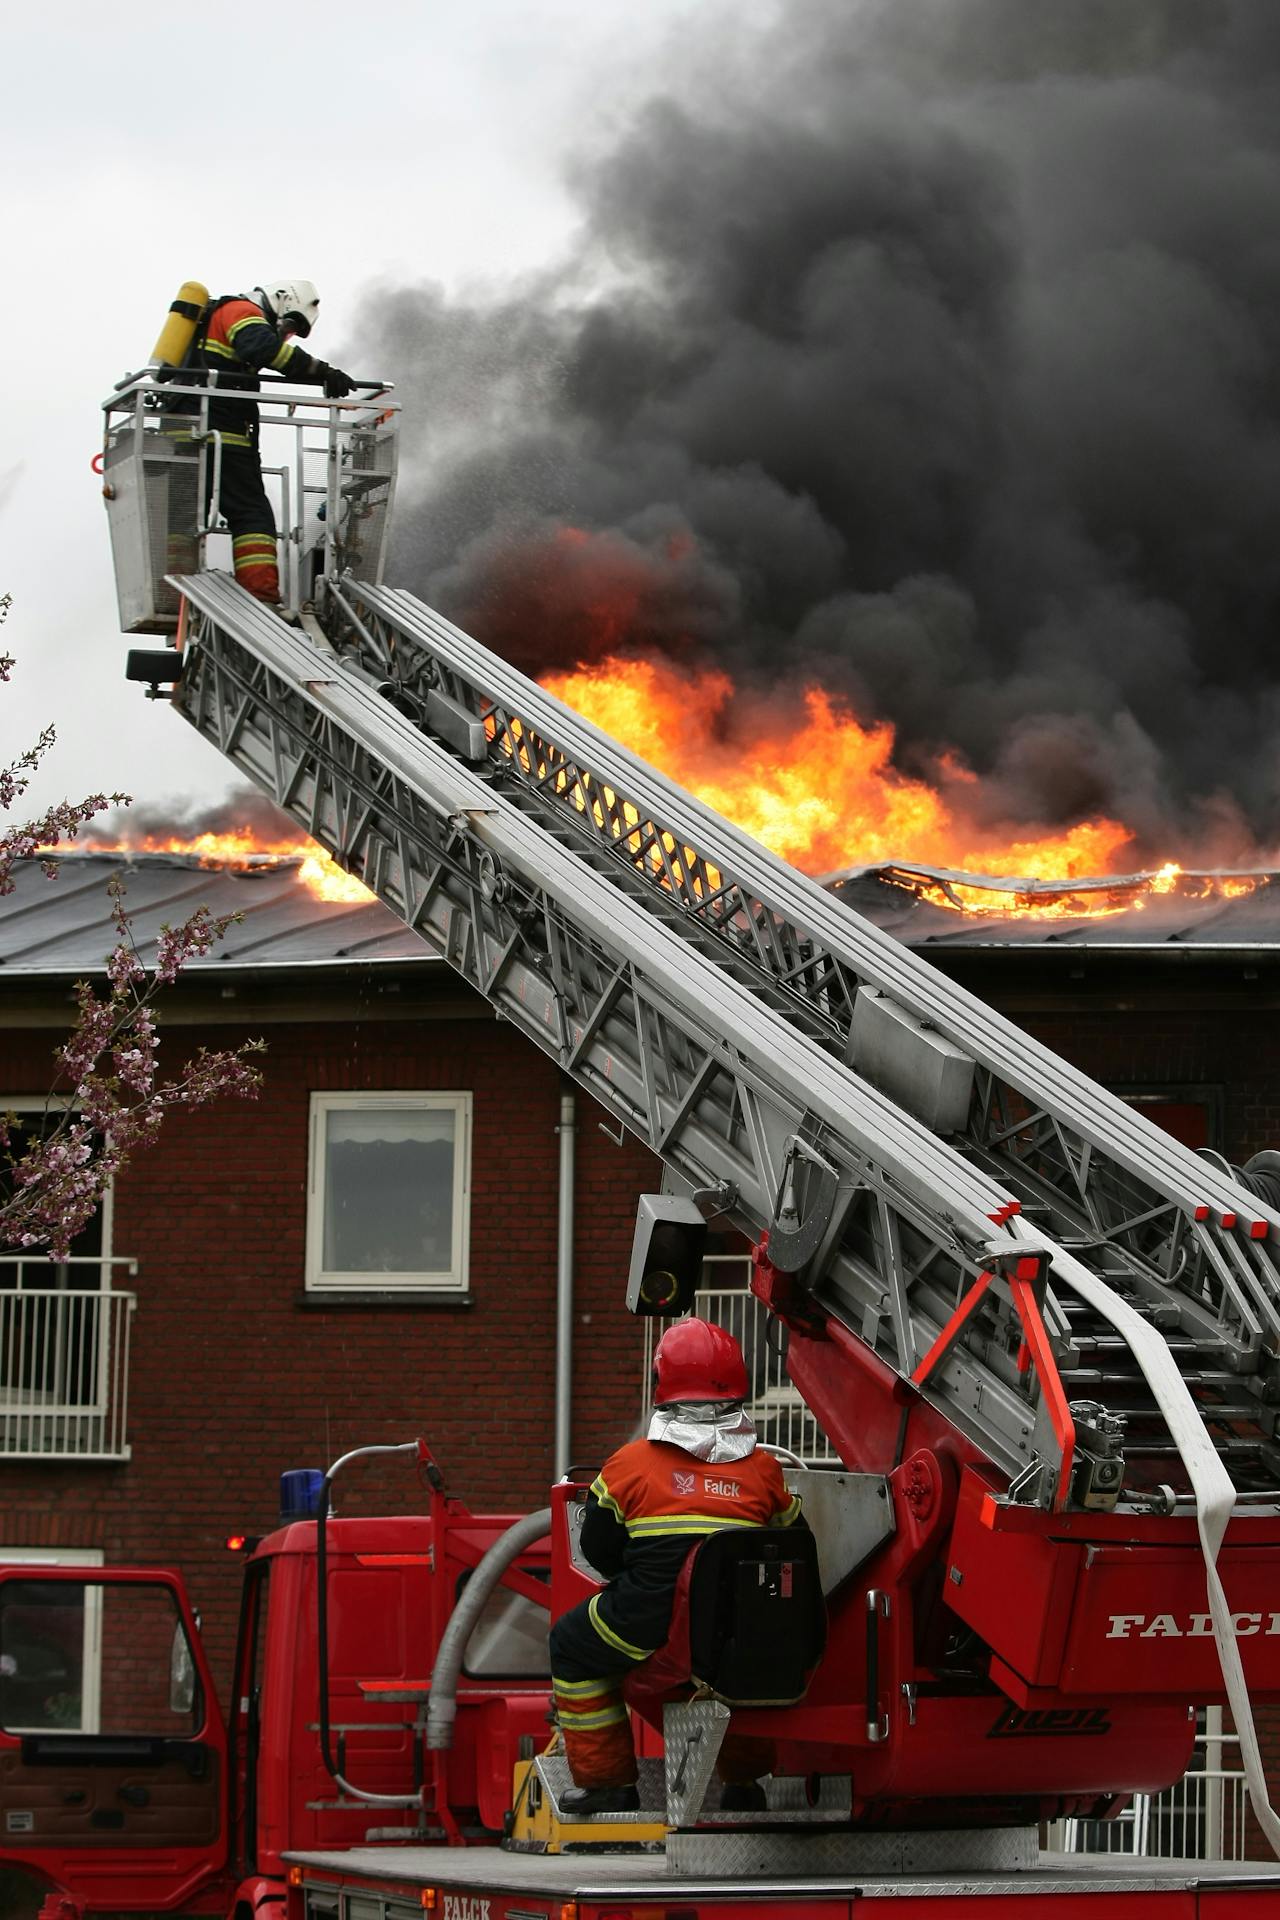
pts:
pixel 172 475
pixel 152 497
pixel 367 487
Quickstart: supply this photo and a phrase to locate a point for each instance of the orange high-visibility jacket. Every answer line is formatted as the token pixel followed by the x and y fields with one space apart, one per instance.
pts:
pixel 650 1503
pixel 234 342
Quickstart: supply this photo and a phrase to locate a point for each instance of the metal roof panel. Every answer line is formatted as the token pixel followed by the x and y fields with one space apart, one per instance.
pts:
pixel 63 926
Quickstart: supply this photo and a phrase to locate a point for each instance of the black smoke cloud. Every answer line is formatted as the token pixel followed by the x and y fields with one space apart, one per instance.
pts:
pixel 930 353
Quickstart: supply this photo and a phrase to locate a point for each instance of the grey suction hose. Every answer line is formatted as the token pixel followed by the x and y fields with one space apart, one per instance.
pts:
pixel 443 1704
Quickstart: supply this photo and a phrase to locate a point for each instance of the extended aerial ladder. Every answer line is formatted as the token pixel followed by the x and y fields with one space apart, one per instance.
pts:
pixel 1056 1330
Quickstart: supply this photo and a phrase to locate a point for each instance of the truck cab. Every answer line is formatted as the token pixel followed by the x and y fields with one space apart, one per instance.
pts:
pixel 122 1782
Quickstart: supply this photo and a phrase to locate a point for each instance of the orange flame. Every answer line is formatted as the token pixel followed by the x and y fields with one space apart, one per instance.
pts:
pixel 822 797
pixel 318 871
pixel 825 794
pixel 1082 901
pixel 822 793
pixel 328 881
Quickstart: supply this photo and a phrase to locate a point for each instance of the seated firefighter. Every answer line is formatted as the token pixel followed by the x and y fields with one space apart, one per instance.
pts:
pixel 697 1472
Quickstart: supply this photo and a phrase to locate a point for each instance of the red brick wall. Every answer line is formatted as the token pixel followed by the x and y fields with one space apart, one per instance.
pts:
pixel 1210 1047
pixel 232 1379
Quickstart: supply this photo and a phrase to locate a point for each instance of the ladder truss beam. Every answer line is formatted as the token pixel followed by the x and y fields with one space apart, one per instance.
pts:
pixel 692 1001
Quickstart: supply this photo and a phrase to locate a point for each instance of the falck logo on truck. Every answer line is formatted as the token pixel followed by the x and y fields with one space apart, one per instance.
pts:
pixel 465 1906
pixel 1194 1626
pixel 1016 1722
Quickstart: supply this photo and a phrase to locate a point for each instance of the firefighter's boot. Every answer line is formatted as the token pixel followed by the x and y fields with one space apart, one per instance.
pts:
pixel 580 1800
pixel 254 556
pixel 597 1744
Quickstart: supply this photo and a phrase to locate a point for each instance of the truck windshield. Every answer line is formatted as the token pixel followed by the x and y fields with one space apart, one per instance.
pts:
pixel 87 1657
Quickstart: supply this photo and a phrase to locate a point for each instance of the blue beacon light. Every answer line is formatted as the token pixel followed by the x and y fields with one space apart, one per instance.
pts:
pixel 300 1491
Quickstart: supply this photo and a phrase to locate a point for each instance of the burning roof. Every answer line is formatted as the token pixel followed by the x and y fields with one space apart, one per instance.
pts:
pixel 63 929
pixel 63 926
pixel 931 907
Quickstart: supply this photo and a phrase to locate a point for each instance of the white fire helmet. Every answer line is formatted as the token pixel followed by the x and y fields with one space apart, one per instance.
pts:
pixel 292 303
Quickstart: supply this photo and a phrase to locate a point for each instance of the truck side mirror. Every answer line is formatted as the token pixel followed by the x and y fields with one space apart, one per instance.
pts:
pixel 182 1673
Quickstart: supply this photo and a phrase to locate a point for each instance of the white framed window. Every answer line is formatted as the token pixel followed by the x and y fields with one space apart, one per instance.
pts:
pixel 389 1188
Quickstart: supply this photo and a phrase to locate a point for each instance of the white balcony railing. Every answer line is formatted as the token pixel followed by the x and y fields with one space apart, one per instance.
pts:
pixel 781 1416
pixel 1201 1817
pixel 64 1361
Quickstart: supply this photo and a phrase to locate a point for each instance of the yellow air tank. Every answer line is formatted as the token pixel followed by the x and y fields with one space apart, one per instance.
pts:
pixel 179 330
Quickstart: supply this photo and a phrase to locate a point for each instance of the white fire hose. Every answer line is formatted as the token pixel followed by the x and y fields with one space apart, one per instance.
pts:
pixel 1215 1496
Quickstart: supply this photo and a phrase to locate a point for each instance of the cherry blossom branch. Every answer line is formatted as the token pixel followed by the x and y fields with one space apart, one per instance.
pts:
pixel 108 1100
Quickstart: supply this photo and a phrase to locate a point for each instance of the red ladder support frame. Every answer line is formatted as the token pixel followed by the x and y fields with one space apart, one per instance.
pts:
pixel 1025 1273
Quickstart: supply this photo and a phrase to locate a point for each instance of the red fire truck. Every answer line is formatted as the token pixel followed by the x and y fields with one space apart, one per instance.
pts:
pixel 1042 1337
pixel 388 1747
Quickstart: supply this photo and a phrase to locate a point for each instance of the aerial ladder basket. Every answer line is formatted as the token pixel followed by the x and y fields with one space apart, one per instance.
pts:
pixel 329 467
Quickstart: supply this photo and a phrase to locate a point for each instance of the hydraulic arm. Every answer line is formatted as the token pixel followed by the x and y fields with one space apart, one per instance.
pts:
pixel 708 996
pixel 1053 1328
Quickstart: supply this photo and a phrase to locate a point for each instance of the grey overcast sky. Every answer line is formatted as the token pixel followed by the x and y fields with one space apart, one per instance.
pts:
pixel 142 145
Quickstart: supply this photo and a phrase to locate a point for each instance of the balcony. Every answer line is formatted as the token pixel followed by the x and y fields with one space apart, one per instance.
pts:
pixel 64 1359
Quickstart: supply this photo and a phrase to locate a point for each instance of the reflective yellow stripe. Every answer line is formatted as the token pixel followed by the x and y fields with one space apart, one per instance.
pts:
pixel 684 1523
pixel 216 346
pixel 284 356
pixel 183 436
pixel 587 1722
pixel 578 1686
pixel 610 1638
pixel 695 1530
pixel 788 1514
pixel 249 320
pixel 605 1498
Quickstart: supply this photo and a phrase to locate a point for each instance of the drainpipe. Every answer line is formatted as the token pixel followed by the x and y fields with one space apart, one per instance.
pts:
pixel 564 1291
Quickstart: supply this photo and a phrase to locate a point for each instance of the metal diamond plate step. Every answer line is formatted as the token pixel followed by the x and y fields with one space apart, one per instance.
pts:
pixel 553 1771
pixel 742 1854
pixel 787 1798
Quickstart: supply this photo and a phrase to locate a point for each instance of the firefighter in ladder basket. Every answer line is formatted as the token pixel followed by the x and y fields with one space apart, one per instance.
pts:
pixel 237 336
pixel 697 1471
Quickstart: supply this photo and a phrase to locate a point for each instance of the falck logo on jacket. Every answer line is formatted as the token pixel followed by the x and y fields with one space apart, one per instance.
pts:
pixel 684 1483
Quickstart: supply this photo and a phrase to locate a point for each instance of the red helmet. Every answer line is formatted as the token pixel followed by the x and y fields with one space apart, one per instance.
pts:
pixel 696 1360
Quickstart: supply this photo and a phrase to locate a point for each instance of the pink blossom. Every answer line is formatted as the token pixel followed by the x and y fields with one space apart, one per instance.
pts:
pixel 107 1100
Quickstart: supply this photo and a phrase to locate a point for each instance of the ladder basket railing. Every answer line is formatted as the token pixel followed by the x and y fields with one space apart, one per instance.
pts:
pixel 329 467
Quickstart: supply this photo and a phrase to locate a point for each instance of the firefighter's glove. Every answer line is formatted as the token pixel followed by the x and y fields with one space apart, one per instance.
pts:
pixel 337 384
